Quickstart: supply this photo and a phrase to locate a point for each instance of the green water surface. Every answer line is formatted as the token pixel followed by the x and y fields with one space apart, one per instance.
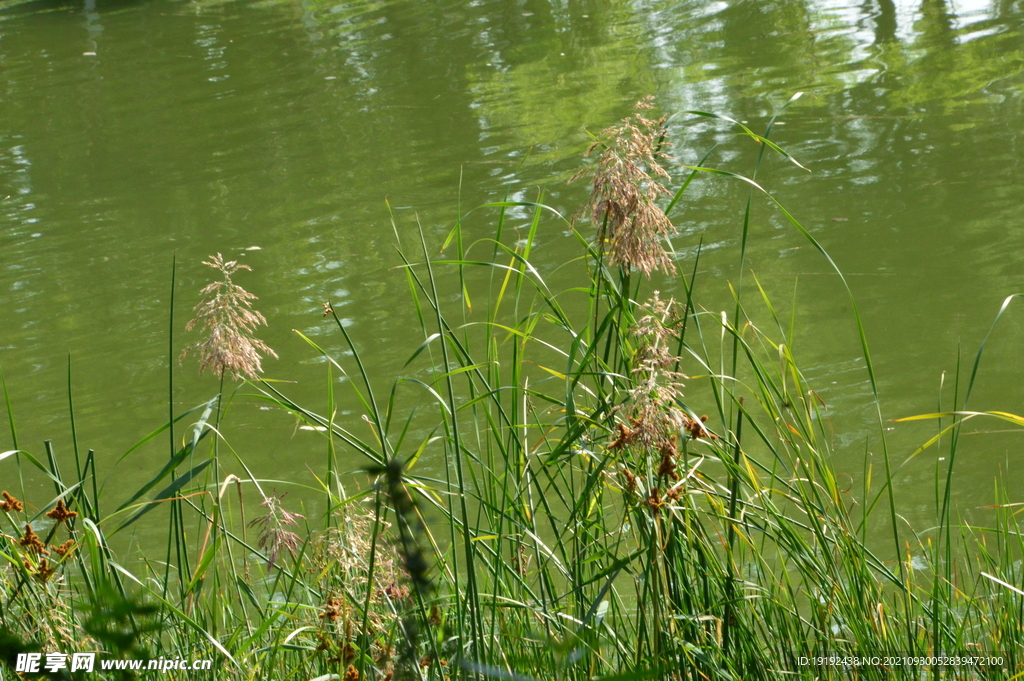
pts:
pixel 274 132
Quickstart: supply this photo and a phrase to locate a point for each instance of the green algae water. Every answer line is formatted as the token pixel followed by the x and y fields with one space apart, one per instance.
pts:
pixel 280 133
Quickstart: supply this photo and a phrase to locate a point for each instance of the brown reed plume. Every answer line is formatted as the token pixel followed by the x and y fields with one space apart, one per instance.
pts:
pixel 624 188
pixel 655 416
pixel 227 317
pixel 656 421
pixel 273 537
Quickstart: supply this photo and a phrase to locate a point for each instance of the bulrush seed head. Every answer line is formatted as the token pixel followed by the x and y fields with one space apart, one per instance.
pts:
pixel 32 542
pixel 61 513
pixel 625 185
pixel 10 503
pixel 226 316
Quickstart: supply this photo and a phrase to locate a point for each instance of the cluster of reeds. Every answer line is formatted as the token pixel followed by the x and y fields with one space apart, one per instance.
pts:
pixel 555 504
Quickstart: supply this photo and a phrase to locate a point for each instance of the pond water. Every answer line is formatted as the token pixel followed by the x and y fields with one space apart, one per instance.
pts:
pixel 134 132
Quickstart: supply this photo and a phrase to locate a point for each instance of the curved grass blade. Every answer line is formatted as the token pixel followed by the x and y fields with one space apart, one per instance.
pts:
pixel 166 494
pixel 182 454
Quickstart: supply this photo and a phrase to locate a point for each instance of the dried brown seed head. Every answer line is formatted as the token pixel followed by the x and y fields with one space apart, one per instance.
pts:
pixel 654 500
pixel 625 437
pixel 32 542
pixel 333 609
pixel 630 480
pixel 44 570
pixel 61 513
pixel 65 548
pixel 10 504
pixel 667 467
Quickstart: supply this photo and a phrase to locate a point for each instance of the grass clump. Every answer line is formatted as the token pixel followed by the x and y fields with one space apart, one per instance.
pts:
pixel 588 516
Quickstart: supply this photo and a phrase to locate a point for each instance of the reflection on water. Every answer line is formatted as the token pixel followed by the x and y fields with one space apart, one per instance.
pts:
pixel 132 131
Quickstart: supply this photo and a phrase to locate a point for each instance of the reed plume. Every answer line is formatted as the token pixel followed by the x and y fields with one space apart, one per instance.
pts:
pixel 624 188
pixel 227 317
pixel 273 536
pixel 655 416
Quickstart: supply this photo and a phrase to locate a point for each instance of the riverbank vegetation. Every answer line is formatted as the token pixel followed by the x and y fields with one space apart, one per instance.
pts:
pixel 603 482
